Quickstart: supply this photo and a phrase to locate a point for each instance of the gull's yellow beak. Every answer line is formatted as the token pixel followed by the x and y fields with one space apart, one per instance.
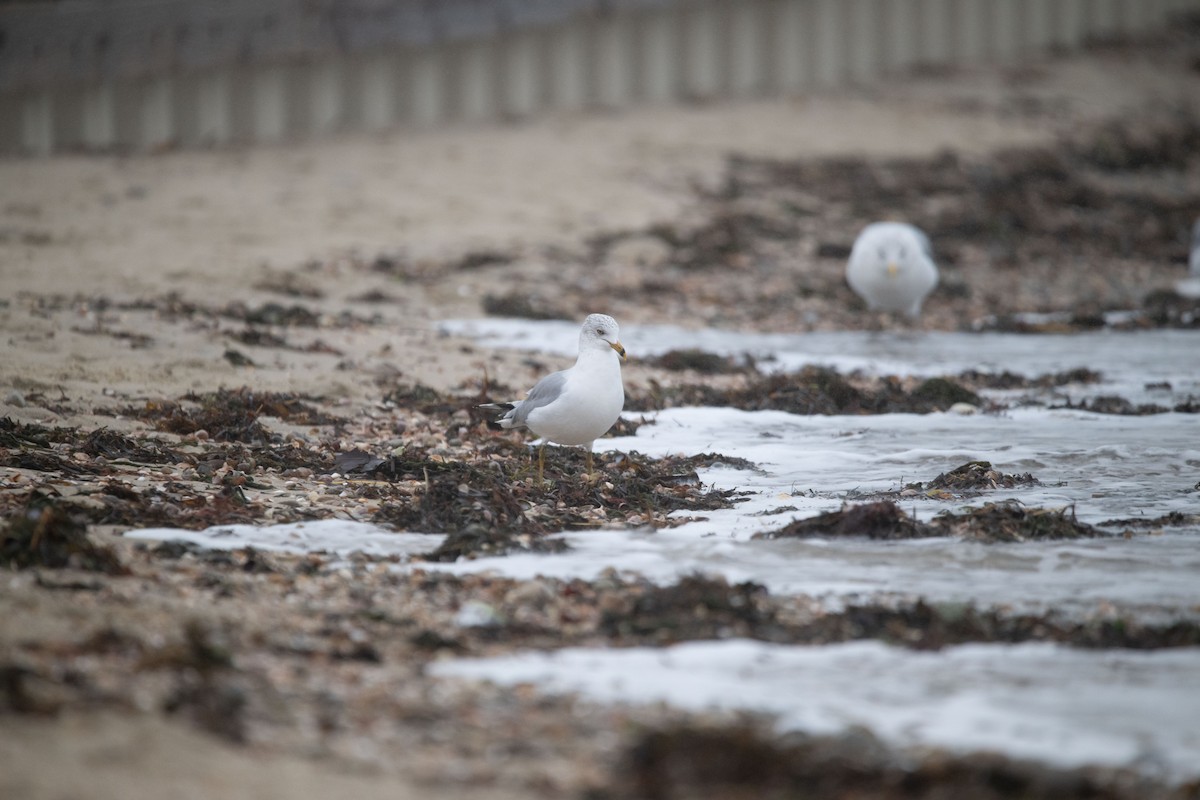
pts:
pixel 893 269
pixel 620 350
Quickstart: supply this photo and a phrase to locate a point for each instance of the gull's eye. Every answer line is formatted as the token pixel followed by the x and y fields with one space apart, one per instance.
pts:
pixel 601 332
pixel 883 254
pixel 904 252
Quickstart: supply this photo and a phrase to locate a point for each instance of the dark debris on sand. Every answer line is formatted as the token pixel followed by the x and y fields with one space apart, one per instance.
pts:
pixel 229 415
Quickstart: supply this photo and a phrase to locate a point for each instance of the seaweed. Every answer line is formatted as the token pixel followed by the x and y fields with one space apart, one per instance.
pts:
pixel 523 306
pixel 813 390
pixel 1012 380
pixel 743 759
pixel 48 535
pixel 880 520
pixel 230 415
pixel 1010 521
pixel 479 540
pixel 696 607
pixel 1007 521
pixel 975 476
pixel 419 397
pixel 1172 519
pixel 491 505
pixel 700 361
pixel 1113 404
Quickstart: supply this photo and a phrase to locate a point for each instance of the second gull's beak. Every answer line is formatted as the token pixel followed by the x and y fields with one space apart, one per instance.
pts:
pixel 892 269
pixel 620 350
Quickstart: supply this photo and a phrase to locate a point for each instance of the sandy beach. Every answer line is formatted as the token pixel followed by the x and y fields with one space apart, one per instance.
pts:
pixel 318 273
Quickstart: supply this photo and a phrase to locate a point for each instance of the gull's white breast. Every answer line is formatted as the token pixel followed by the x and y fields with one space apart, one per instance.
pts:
pixel 590 403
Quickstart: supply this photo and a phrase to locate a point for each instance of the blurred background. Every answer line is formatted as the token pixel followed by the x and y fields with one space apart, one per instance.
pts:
pixel 148 74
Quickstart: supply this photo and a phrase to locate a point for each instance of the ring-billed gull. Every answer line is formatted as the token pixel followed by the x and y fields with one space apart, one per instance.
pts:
pixel 574 406
pixel 891 267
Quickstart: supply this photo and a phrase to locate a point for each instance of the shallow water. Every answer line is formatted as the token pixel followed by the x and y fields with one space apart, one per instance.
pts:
pixel 1128 360
pixel 1038 701
pixel 1107 467
pixel 1121 708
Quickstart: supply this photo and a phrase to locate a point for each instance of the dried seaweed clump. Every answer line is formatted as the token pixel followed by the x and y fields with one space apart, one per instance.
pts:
pixel 1171 519
pixel 47 535
pixel 230 415
pixel 477 541
pixel 1012 380
pixel 975 476
pixel 812 390
pixel 523 305
pixel 419 397
pixel 995 522
pixel 495 505
pixel 1114 404
pixel 1012 522
pixel 701 361
pixel 697 607
pixel 925 626
pixel 740 760
pixel 881 520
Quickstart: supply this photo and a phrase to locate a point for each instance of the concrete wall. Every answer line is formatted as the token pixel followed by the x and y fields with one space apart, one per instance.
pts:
pixel 147 74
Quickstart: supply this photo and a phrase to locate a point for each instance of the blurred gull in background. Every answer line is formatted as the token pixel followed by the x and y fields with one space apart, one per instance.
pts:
pixel 891 267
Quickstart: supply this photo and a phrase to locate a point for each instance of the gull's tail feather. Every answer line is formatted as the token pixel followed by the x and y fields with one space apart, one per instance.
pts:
pixel 501 414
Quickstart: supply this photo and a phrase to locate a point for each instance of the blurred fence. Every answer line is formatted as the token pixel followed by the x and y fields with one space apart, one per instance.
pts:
pixel 146 74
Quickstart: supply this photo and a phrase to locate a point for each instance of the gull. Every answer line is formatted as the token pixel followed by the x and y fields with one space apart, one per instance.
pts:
pixel 574 406
pixel 891 267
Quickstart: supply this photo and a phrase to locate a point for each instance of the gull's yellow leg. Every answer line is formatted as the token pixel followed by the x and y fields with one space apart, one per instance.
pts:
pixel 590 471
pixel 541 464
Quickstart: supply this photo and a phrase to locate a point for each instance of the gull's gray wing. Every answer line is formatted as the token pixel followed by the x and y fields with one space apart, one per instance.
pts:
pixel 543 393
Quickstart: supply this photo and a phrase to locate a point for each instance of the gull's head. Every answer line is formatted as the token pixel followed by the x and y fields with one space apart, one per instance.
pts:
pixel 893 249
pixel 600 331
pixel 894 256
